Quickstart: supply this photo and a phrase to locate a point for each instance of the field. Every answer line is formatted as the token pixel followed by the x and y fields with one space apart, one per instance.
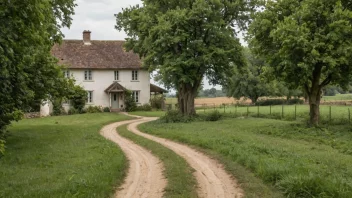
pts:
pixel 226 100
pixel 210 101
pixel 298 161
pixel 62 156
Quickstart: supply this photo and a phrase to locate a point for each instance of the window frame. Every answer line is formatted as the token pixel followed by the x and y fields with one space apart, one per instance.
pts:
pixel 135 75
pixel 88 75
pixel 136 95
pixel 67 73
pixel 90 97
pixel 116 75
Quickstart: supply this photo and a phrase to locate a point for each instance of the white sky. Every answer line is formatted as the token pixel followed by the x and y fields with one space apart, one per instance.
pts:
pixel 98 17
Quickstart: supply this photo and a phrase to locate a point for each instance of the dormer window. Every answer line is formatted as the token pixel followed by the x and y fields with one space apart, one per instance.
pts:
pixel 134 75
pixel 88 75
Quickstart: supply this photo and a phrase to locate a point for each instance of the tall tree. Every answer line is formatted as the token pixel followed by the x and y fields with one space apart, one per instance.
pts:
pixel 248 81
pixel 185 40
pixel 308 44
pixel 28 30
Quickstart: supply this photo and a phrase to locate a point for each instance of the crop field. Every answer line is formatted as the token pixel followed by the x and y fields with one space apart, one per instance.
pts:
pixel 211 101
pixel 347 98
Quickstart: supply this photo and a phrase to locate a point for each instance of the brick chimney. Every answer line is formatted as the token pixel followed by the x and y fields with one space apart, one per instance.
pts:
pixel 86 37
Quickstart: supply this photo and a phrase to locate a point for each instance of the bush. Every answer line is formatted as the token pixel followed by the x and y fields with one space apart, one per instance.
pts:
pixel 269 102
pixel 106 109
pixel 174 116
pixel 78 98
pixel 130 104
pixel 145 107
pixel 157 101
pixel 93 109
pixel 295 101
pixel 73 111
pixel 213 116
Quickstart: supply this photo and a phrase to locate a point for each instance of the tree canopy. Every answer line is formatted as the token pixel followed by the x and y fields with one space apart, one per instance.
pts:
pixel 185 40
pixel 306 47
pixel 28 71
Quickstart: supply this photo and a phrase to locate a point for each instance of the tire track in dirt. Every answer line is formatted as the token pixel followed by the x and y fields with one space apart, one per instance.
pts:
pixel 213 180
pixel 145 174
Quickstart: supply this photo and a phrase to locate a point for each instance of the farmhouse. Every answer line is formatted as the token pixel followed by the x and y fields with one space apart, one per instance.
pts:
pixel 105 70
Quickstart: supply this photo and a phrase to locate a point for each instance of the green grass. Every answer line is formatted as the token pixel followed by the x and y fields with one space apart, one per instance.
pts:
pixel 338 97
pixel 148 113
pixel 339 114
pixel 283 154
pixel 62 156
pixel 181 182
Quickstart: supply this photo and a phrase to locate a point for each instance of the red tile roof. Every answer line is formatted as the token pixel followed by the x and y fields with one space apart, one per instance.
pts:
pixel 98 55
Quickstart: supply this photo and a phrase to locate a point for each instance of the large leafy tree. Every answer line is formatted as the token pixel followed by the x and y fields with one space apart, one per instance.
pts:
pixel 28 72
pixel 185 40
pixel 249 81
pixel 308 44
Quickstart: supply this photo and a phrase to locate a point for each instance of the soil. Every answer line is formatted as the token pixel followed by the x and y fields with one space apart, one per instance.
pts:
pixel 213 181
pixel 145 174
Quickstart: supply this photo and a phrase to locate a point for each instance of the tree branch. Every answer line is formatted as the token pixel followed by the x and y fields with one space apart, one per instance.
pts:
pixel 326 81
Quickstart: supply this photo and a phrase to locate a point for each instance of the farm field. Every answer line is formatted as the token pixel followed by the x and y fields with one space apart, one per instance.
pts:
pixel 298 161
pixel 226 100
pixel 339 114
pixel 338 97
pixel 62 156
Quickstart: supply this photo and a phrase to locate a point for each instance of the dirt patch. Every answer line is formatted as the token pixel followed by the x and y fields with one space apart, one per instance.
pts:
pixel 213 180
pixel 145 177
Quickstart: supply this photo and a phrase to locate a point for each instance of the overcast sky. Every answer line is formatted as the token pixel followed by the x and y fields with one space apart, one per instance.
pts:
pixel 98 17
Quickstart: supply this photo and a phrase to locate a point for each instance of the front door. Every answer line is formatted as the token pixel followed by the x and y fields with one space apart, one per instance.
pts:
pixel 114 100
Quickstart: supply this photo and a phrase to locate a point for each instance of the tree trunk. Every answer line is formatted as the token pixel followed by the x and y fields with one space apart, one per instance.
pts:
pixel 314 102
pixel 186 95
pixel 314 95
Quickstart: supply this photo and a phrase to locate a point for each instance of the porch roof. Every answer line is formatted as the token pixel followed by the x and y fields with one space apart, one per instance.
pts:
pixel 115 87
pixel 156 89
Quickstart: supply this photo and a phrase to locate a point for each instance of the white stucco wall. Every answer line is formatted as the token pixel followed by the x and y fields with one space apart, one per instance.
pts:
pixel 102 79
pixel 46 109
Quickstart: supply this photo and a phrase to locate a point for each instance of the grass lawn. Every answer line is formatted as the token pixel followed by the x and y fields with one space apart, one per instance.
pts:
pixel 148 113
pixel 62 156
pixel 298 161
pixel 338 97
pixel 181 182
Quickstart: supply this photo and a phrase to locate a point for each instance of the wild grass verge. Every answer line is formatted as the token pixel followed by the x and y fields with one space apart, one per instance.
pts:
pixel 181 182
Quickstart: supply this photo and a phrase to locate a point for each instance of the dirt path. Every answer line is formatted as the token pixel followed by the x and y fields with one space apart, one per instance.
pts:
pixel 213 180
pixel 144 178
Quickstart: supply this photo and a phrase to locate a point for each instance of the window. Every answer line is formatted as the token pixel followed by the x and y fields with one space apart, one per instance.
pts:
pixel 135 96
pixel 90 97
pixel 66 73
pixel 116 74
pixel 88 75
pixel 134 75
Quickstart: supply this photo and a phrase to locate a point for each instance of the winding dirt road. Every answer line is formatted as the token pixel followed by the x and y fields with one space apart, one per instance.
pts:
pixel 145 177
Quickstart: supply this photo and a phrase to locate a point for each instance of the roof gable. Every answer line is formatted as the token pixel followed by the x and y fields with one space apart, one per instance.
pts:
pixel 97 55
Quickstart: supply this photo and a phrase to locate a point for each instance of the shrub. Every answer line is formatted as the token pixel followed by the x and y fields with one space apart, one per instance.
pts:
pixel 93 109
pixel 213 116
pixel 174 116
pixel 157 101
pixel 78 98
pixel 295 101
pixel 269 102
pixel 145 107
pixel 106 109
pixel 73 111
pixel 130 104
